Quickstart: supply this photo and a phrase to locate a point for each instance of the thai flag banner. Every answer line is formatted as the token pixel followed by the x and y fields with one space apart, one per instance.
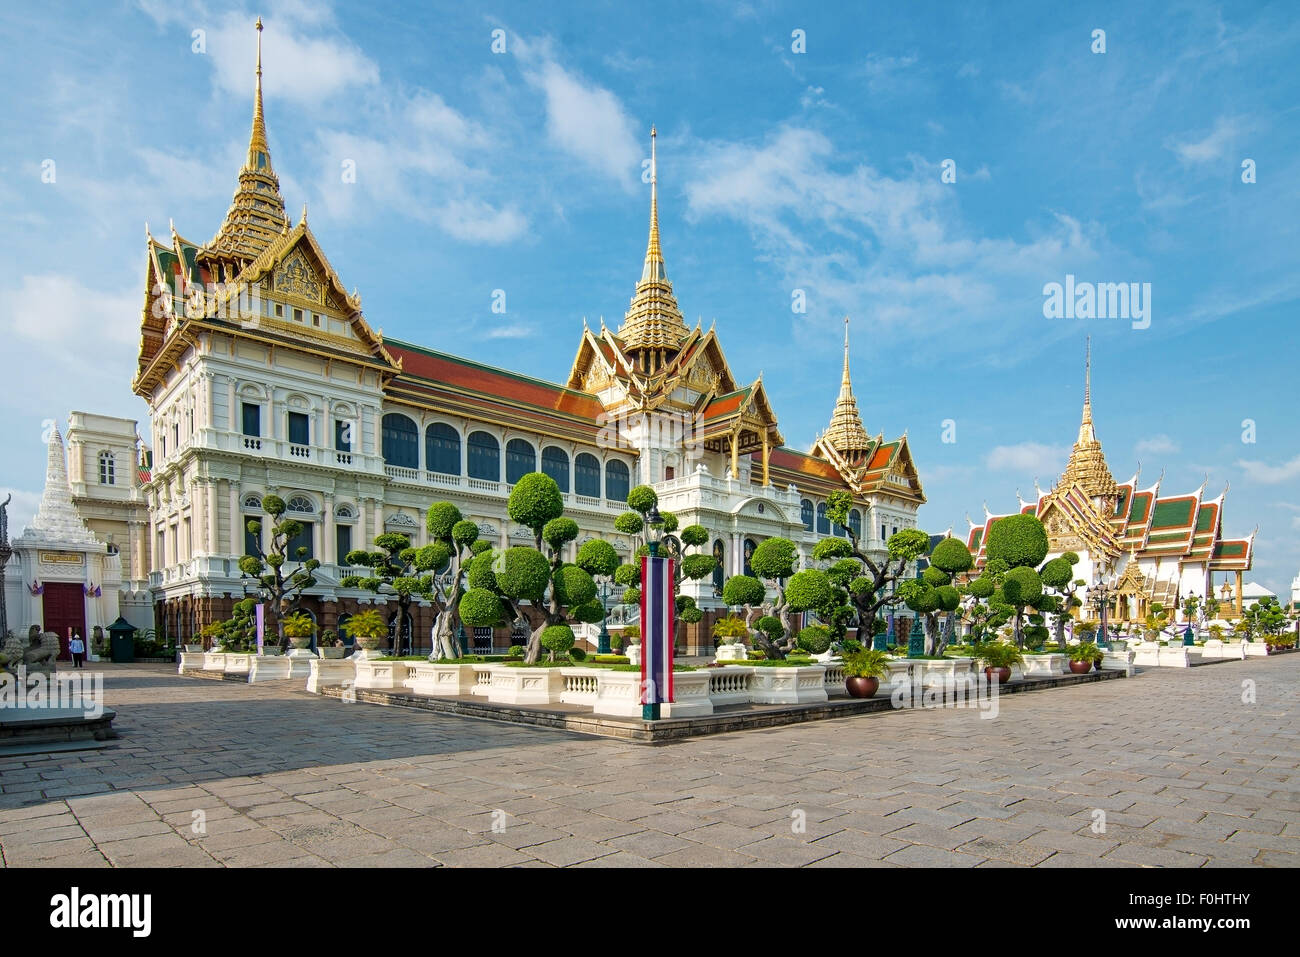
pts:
pixel 261 625
pixel 657 614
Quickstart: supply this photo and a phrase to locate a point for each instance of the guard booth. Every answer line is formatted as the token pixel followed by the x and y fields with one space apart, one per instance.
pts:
pixel 121 641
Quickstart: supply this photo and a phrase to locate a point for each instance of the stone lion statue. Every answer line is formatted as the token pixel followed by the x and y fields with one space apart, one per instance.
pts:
pixel 38 653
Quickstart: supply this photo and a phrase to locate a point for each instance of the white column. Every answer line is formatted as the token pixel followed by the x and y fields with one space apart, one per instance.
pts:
pixel 236 521
pixel 211 546
pixel 234 422
pixel 329 547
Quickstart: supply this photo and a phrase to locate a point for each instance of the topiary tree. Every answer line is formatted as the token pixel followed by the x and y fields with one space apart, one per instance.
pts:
pixel 873 590
pixel 1018 543
pixel 525 585
pixel 642 500
pixel 1059 582
pixel 399 571
pixel 745 592
pixel 774 561
pixel 557 639
pixel 280 587
pixel 459 538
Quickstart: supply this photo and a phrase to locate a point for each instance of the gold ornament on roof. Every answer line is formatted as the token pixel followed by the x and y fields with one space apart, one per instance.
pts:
pixel 846 432
pixel 1087 466
pixel 653 320
pixel 256 217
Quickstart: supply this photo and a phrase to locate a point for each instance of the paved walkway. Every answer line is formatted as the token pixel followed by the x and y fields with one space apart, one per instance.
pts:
pixel 214 773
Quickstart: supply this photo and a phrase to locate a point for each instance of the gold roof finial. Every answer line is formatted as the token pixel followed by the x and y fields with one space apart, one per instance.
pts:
pixel 653 320
pixel 846 431
pixel 1087 466
pixel 256 216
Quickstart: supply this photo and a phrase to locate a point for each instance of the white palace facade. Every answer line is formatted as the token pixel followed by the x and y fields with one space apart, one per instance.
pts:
pixel 263 376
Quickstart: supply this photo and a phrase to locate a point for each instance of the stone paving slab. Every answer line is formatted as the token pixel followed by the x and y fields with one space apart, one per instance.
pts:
pixel 213 774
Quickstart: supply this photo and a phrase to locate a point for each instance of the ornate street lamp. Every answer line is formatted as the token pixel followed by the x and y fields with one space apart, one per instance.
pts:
pixel 655 531
pixel 602 645
pixel 1100 594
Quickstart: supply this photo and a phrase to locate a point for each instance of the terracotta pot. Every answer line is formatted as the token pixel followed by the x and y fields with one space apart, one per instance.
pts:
pixel 861 687
pixel 1002 674
pixel 1080 667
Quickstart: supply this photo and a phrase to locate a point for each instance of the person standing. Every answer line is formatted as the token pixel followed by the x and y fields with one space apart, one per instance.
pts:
pixel 78 650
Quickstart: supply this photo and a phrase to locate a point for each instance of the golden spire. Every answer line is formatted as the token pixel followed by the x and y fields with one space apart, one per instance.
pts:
pixel 1087 466
pixel 256 216
pixel 653 321
pixel 846 432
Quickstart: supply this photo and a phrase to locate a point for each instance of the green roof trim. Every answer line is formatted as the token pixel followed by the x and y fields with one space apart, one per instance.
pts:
pixel 1173 514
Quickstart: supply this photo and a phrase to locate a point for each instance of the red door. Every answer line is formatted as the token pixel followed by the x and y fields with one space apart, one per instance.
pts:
pixel 64 608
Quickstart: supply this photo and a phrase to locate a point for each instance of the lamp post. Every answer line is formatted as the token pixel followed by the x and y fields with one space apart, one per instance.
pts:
pixel 1100 594
pixel 1189 636
pixel 654 532
pixel 602 645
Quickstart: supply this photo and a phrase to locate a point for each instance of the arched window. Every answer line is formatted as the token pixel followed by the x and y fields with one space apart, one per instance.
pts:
pixel 442 449
pixel 300 503
pixel 252 541
pixel 401 441
pixel 484 457
pixel 586 475
pixel 107 469
pixel 616 481
pixel 719 563
pixel 747 553
pixel 555 463
pixel 806 514
pixel 521 458
pixel 823 523
pixel 345 511
pixel 855 523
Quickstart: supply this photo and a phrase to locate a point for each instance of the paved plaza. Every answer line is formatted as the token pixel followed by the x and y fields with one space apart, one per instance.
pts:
pixel 1187 775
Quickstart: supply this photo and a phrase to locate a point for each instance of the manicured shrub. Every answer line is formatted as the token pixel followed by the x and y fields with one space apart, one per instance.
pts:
pixel 815 639
pixel 525 573
pixel 535 500
pixel 642 499
pixel 577 654
pixel 1018 540
pixel 743 590
pixel 771 626
pixel 479 608
pixel 572 586
pixel 441 520
pixel 557 639
pixel 598 557
pixel 558 532
pixel 515 651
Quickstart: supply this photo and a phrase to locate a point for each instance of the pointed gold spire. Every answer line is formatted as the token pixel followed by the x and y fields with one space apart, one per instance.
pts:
pixel 653 322
pixel 256 217
pixel 846 432
pixel 1087 466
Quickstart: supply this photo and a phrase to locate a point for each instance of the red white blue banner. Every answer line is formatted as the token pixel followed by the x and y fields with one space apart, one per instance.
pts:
pixel 657 620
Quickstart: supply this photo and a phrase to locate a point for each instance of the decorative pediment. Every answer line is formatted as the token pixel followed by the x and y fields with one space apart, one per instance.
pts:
pixel 298 279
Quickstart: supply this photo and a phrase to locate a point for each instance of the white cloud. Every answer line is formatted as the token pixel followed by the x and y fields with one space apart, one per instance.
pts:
pixel 1156 445
pixel 883 72
pixel 584 119
pixel 476 221
pixel 1213 147
pixel 893 250
pixel 1267 474
pixel 306 59
pixel 1030 458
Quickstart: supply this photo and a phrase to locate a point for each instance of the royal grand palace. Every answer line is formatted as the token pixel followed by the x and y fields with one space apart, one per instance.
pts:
pixel 1140 544
pixel 262 375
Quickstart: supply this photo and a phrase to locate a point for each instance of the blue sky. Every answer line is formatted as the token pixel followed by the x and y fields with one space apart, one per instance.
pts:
pixel 779 171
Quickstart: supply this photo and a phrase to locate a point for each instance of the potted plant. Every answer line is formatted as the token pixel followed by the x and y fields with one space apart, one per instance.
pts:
pixel 299 628
pixel 369 628
pixel 998 657
pixel 331 645
pixel 211 633
pixel 863 669
pixel 1083 656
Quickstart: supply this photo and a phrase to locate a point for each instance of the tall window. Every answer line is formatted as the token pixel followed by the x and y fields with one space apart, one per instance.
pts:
pixel 304 539
pixel 252 542
pixel 252 419
pixel 342 542
pixel 401 441
pixel 586 475
pixel 107 469
pixel 521 458
pixel 555 463
pixel 616 481
pixel 806 514
pixel 484 457
pixel 442 449
pixel 823 523
pixel 855 523
pixel 342 435
pixel 299 429
pixel 719 563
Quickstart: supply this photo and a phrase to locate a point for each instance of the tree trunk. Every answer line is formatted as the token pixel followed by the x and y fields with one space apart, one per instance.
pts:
pixel 1019 634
